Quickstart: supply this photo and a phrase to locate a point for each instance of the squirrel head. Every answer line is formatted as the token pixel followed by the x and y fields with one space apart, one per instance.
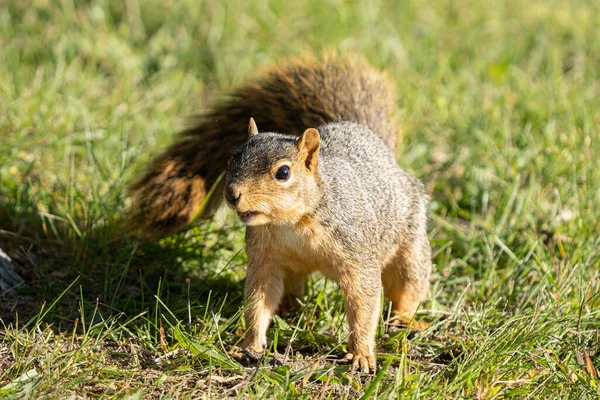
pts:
pixel 273 178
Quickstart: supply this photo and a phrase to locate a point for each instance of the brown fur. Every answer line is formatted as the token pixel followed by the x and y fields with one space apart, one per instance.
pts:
pixel 364 227
pixel 290 97
pixel 359 220
pixel 280 258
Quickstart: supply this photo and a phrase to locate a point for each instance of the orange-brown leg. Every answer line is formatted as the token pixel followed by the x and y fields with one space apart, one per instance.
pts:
pixel 263 291
pixel 406 282
pixel 362 298
pixel 293 291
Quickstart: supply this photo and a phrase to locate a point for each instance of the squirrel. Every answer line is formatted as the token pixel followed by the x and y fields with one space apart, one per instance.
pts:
pixel 319 189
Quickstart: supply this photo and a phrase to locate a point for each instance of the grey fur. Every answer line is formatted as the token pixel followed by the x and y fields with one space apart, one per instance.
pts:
pixel 369 203
pixel 368 215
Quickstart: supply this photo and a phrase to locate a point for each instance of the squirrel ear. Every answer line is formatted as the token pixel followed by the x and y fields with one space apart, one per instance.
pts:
pixel 252 129
pixel 308 145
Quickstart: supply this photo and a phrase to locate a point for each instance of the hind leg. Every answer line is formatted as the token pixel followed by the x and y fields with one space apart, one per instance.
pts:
pixel 293 291
pixel 406 281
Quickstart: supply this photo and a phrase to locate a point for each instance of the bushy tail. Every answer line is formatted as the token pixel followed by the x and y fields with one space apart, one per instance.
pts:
pixel 288 98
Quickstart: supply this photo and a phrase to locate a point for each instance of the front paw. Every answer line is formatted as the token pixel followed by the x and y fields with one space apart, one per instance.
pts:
pixel 253 344
pixel 364 361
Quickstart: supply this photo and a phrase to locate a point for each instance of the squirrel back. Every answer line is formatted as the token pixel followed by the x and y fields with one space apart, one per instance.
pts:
pixel 369 196
pixel 290 97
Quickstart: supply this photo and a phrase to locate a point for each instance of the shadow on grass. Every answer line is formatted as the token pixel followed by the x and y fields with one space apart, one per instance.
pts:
pixel 113 273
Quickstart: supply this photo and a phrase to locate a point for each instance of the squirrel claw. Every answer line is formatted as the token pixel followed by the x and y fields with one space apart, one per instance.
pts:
pixel 236 353
pixel 364 363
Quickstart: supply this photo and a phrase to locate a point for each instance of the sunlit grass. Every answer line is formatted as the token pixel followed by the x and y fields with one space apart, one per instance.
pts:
pixel 500 105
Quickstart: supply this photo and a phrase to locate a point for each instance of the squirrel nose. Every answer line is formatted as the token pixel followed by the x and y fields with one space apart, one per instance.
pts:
pixel 233 195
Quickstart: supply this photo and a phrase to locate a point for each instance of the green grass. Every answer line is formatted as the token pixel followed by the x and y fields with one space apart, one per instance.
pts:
pixel 500 101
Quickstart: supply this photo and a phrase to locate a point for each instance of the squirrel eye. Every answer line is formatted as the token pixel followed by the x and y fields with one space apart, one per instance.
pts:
pixel 283 173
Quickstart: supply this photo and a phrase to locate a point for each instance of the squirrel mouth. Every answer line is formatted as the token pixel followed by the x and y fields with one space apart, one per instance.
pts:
pixel 247 215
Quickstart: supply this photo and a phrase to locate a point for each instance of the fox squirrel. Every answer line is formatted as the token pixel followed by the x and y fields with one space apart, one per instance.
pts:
pixel 318 188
